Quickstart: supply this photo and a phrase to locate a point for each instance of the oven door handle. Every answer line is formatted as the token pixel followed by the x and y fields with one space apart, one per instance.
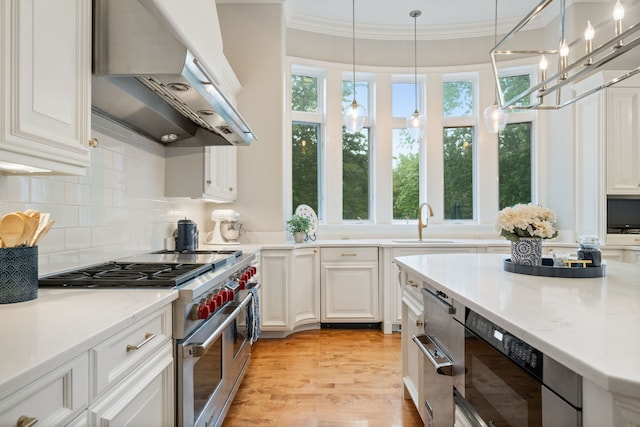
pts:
pixel 197 350
pixel 441 363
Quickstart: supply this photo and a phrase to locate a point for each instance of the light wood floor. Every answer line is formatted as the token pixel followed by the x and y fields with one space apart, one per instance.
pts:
pixel 328 377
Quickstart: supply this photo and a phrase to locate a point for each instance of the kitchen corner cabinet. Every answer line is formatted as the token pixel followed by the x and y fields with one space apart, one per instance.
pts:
pixel 208 173
pixel 290 295
pixel 349 285
pixel 45 75
pixel 623 141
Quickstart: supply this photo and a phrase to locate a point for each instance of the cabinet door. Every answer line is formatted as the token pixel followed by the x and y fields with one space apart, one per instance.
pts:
pixel 350 292
pixel 221 173
pixel 46 72
pixel 412 324
pixel 275 295
pixel 305 289
pixel 145 398
pixel 53 399
pixel 623 141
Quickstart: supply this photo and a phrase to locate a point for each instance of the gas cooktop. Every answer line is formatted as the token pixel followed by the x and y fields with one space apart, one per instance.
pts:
pixel 165 269
pixel 126 275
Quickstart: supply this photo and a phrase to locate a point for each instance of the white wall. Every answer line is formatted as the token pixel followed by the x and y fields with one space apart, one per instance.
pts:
pixel 117 209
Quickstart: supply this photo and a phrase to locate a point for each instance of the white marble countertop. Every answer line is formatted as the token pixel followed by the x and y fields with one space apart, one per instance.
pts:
pixel 39 335
pixel 589 325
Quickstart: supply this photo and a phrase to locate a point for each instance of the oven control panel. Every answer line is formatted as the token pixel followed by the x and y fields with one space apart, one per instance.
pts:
pixel 523 354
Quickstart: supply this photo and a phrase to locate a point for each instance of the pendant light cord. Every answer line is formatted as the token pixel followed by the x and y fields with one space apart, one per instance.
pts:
pixel 415 15
pixel 495 42
pixel 353 45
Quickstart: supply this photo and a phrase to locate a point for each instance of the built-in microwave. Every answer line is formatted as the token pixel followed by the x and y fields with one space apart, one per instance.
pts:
pixel 623 215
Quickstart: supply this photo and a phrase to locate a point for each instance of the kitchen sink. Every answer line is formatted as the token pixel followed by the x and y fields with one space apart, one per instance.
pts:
pixel 423 241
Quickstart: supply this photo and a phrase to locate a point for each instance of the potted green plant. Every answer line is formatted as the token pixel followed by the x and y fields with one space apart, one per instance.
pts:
pixel 299 226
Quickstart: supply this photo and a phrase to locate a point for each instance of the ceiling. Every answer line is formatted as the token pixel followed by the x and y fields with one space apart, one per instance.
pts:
pixel 390 20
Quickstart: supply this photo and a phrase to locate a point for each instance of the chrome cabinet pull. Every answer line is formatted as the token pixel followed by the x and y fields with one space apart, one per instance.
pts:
pixel 441 363
pixel 25 421
pixel 147 337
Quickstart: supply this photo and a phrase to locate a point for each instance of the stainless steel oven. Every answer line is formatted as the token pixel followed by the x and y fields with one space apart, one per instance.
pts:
pixel 508 382
pixel 212 362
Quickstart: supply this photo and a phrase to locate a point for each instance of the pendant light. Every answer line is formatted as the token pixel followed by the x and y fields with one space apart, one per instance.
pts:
pixel 416 121
pixel 494 118
pixel 354 114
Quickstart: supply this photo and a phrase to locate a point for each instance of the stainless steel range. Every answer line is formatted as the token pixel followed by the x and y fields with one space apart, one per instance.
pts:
pixel 215 319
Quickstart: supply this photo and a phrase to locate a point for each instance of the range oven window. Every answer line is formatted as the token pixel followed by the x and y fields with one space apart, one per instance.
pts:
pixel 207 376
pixel 500 391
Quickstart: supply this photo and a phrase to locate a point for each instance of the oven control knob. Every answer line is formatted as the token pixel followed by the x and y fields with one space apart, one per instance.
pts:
pixel 225 295
pixel 200 312
pixel 232 294
pixel 212 304
pixel 219 300
pixel 241 284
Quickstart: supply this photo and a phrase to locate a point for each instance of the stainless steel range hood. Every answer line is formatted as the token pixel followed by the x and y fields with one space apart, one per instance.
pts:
pixel 158 72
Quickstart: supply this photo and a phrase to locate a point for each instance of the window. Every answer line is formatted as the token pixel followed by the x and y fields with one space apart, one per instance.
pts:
pixel 514 164
pixel 356 158
pixel 306 140
pixel 513 86
pixel 304 163
pixel 458 173
pixel 457 98
pixel 405 151
pixel 458 137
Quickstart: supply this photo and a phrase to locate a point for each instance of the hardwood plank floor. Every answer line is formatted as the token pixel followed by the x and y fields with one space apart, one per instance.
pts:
pixel 327 377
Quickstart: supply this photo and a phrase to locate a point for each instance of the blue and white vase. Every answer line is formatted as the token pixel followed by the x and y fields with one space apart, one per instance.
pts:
pixel 527 251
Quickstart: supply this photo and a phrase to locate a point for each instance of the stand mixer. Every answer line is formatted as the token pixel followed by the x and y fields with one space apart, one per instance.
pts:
pixel 227 230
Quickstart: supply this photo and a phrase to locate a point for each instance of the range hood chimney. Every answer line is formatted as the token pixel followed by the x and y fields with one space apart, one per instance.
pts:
pixel 159 70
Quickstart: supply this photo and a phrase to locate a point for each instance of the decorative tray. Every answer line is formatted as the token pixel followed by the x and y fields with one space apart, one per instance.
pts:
pixel 547 269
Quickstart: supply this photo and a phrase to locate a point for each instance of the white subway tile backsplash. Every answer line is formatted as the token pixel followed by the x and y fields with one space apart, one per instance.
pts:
pixel 116 209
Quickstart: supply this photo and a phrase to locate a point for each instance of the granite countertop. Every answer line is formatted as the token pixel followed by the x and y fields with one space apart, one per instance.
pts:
pixel 589 325
pixel 39 335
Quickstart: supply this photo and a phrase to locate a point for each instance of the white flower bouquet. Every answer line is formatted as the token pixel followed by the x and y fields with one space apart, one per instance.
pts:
pixel 526 221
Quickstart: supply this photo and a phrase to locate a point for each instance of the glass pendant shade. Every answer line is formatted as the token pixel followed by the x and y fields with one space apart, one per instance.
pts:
pixel 494 118
pixel 416 124
pixel 354 116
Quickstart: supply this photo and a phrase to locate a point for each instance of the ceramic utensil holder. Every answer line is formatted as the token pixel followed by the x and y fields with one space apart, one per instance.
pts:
pixel 18 274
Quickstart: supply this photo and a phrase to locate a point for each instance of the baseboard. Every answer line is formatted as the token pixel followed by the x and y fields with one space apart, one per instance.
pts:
pixel 375 325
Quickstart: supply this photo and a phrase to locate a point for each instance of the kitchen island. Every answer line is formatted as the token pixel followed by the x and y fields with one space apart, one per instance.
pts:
pixel 589 325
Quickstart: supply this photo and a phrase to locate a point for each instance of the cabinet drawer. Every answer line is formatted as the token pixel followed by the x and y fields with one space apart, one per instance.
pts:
pixel 125 351
pixel 53 399
pixel 349 254
pixel 412 285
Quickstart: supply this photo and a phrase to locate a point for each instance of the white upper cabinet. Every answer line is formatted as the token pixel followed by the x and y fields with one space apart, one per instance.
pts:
pixel 623 141
pixel 45 73
pixel 207 173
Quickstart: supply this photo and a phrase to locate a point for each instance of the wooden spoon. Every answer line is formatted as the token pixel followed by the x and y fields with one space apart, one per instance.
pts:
pixel 30 227
pixel 12 230
pixel 42 232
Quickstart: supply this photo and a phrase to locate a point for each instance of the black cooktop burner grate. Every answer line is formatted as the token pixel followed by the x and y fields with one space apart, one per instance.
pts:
pixel 123 274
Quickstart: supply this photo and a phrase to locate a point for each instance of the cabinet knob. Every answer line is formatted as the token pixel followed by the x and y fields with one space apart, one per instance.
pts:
pixel 25 421
pixel 209 181
pixel 230 189
pixel 412 283
pixel 93 142
pixel 419 323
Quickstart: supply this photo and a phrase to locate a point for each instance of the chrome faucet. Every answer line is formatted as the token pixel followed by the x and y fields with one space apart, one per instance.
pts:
pixel 421 224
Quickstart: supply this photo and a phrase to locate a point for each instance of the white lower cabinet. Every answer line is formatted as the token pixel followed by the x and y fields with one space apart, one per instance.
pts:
pixel 305 289
pixel 144 398
pixel 290 295
pixel 349 285
pixel 54 399
pixel 412 368
pixel 127 380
